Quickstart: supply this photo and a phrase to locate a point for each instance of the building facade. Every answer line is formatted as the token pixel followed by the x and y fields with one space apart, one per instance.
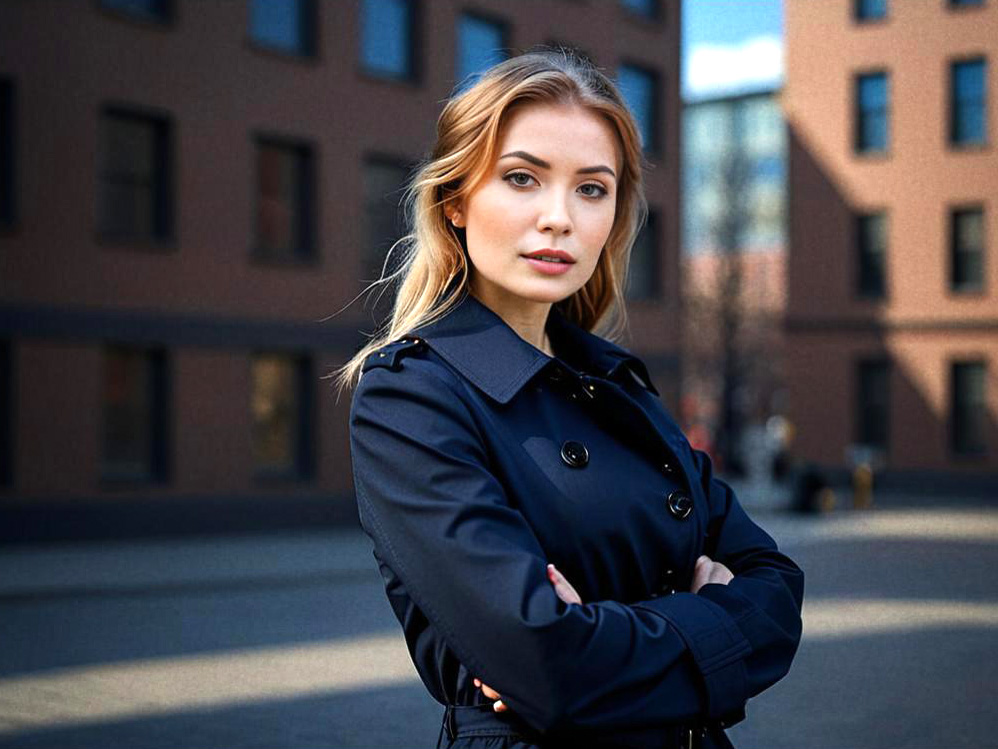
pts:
pixel 892 309
pixel 191 195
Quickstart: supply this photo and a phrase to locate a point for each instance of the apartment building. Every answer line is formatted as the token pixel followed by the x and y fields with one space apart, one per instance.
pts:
pixel 191 195
pixel 892 308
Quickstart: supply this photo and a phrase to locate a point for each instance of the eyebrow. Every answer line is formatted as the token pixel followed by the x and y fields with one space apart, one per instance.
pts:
pixel 544 165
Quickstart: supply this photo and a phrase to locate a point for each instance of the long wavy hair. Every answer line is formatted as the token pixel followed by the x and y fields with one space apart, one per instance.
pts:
pixel 434 271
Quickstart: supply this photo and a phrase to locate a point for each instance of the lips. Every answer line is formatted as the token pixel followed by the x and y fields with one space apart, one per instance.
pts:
pixel 551 256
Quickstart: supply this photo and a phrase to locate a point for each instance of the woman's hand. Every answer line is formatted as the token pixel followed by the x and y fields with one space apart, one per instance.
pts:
pixel 709 571
pixel 566 593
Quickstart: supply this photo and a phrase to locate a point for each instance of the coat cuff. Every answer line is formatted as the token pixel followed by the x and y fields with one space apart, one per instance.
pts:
pixel 716 643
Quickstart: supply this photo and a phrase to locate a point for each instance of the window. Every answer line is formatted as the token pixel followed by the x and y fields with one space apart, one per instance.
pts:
pixel 643 274
pixel 284 25
pixel 969 410
pixel 159 11
pixel 388 39
pixel 384 186
pixel 869 10
pixel 871 244
pixel 873 403
pixel 6 414
pixel 481 43
pixel 8 150
pixel 135 413
pixel 872 112
pixel 965 3
pixel 135 194
pixel 967 249
pixel 639 88
pixel 968 118
pixel 647 8
pixel 284 204
pixel 281 408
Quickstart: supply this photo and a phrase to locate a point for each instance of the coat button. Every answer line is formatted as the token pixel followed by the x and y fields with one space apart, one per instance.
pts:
pixel 575 454
pixel 669 469
pixel 556 374
pixel 680 505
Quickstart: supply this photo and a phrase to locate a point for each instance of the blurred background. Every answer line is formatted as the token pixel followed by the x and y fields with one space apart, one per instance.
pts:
pixel 193 195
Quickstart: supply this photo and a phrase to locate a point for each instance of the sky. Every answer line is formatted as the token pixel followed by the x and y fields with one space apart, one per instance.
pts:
pixel 731 45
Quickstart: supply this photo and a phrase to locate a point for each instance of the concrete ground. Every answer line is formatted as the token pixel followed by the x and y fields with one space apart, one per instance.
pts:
pixel 286 640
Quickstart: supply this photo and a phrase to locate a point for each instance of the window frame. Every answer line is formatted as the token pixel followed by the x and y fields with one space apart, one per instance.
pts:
pixel 952 145
pixel 307 254
pixel 980 287
pixel 858 112
pixel 414 76
pixel 305 448
pixel 956 450
pixel 882 364
pixel 307 52
pixel 860 292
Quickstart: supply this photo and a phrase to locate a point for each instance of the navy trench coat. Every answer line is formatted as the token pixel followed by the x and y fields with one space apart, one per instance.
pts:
pixel 478 460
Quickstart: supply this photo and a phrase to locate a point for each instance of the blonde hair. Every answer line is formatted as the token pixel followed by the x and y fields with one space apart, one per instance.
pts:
pixel 434 272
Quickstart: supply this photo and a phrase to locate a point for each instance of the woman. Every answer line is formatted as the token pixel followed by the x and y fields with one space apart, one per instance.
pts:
pixel 494 434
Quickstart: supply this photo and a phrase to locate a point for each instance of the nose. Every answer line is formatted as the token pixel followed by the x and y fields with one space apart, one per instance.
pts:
pixel 554 214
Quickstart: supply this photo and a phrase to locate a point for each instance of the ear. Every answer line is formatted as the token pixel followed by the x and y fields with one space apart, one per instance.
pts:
pixel 453 211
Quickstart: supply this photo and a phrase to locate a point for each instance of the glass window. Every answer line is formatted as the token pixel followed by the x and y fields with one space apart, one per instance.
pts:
pixel 284 25
pixel 646 8
pixel 387 37
pixel 967 249
pixel 643 273
pixel 968 118
pixel 481 43
pixel 873 403
pixel 149 10
pixel 872 112
pixel 969 409
pixel 8 149
pixel 384 187
pixel 135 413
pixel 284 221
pixel 6 414
pixel 965 3
pixel 639 88
pixel 281 415
pixel 135 200
pixel 871 242
pixel 870 10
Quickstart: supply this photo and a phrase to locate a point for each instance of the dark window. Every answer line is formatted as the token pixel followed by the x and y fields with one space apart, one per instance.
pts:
pixel 872 112
pixel 869 10
pixel 643 273
pixel 282 415
pixel 135 196
pixel 967 249
pixel 639 88
pixel 384 186
pixel 481 43
pixel 388 39
pixel 147 10
pixel 969 408
pixel 284 201
pixel 284 25
pixel 8 150
pixel 873 403
pixel 646 8
pixel 871 244
pixel 965 3
pixel 6 414
pixel 968 106
pixel 135 413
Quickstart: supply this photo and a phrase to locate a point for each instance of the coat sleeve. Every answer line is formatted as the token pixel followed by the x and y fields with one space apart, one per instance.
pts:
pixel 474 567
pixel 766 595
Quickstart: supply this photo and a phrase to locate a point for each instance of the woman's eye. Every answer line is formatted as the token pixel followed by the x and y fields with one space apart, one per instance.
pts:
pixel 513 175
pixel 600 190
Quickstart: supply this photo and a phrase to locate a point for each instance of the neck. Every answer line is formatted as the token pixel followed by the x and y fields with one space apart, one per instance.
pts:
pixel 526 318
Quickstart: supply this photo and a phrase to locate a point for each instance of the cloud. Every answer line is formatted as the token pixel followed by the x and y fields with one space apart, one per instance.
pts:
pixel 717 68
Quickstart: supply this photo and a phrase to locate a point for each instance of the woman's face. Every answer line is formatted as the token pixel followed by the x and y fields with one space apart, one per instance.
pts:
pixel 553 187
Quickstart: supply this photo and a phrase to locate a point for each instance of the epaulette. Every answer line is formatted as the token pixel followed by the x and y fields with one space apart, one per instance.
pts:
pixel 390 354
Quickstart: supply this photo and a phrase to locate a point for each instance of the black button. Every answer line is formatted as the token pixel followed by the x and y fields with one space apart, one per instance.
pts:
pixel 680 505
pixel 575 454
pixel 556 373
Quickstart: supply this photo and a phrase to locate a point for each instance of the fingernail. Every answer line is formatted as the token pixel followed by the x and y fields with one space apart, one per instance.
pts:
pixel 478 683
pixel 498 706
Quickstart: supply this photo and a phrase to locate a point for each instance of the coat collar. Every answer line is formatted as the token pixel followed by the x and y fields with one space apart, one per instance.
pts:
pixel 488 352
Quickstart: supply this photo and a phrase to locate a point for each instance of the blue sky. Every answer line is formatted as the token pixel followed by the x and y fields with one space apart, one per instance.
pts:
pixel 731 45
